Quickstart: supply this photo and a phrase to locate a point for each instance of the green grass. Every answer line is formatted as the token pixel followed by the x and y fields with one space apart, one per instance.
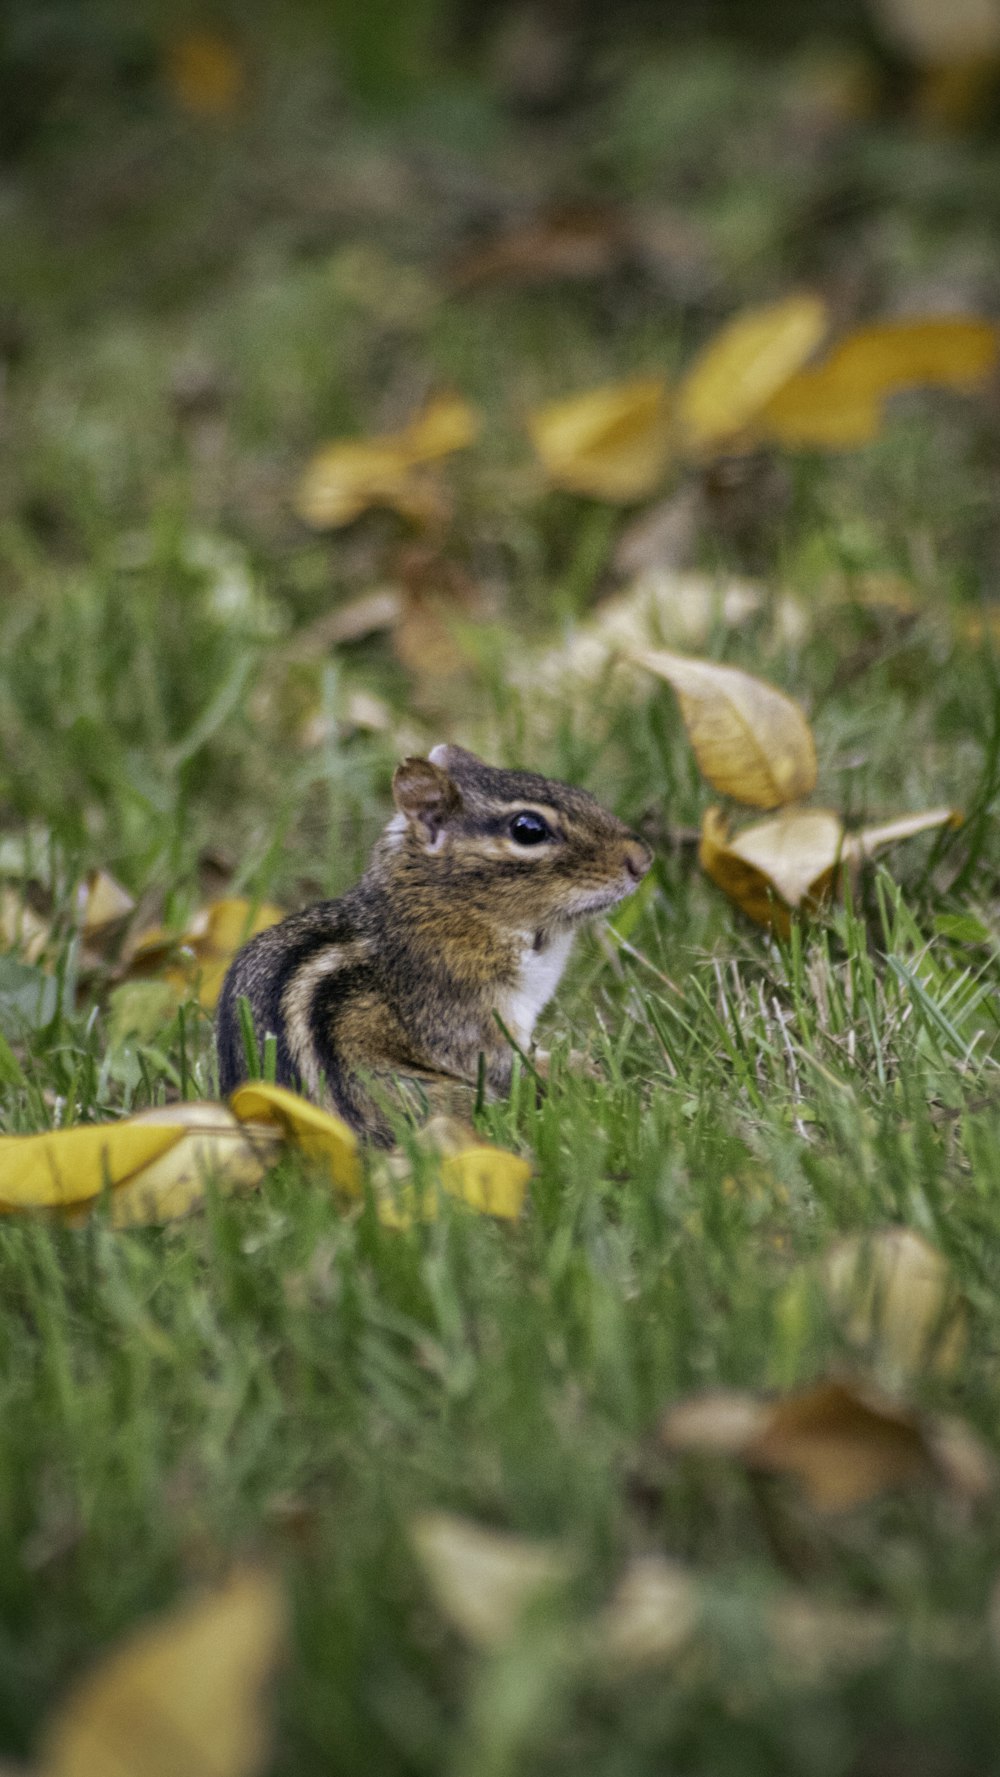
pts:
pixel 275 1379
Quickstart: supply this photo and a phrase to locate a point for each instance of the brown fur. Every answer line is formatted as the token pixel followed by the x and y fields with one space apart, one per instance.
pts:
pixel 406 973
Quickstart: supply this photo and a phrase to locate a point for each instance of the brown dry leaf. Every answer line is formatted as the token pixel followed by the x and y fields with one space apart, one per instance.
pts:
pixel 751 741
pixel 570 241
pixel 345 478
pixel 839 403
pixel 185 1695
pixel 743 366
pixel 792 861
pixel 205 73
pixel 896 1296
pixel 843 1442
pixel 483 1580
pixel 611 443
pixel 213 1146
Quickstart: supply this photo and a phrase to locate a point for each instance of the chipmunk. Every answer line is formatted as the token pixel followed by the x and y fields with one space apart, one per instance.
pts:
pixel 466 913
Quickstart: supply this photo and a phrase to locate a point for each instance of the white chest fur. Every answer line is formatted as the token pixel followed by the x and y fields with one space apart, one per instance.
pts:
pixel 537 981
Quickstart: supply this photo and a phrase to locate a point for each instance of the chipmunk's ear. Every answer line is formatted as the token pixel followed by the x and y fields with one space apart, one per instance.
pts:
pixel 428 798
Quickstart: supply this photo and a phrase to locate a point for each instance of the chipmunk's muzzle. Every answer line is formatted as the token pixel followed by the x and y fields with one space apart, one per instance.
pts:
pixel 638 858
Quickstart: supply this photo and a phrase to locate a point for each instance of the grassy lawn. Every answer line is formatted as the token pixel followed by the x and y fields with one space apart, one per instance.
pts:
pixel 189 305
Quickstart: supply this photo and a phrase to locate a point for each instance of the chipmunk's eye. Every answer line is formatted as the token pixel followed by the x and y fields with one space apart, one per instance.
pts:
pixel 529 829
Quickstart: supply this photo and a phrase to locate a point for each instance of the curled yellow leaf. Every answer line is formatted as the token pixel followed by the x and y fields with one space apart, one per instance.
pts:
pixel 838 404
pixel 345 478
pixel 62 1167
pixel 213 1146
pixel 611 443
pixel 751 741
pixel 315 1132
pixel 739 370
pixel 184 1693
pixel 792 861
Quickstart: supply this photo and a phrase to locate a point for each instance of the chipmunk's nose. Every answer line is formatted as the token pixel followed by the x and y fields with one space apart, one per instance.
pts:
pixel 638 858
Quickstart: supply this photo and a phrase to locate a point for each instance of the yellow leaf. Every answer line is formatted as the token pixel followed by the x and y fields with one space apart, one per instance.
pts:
pixel 869 840
pixel 791 861
pixel 347 477
pixel 612 443
pixel 317 1133
pixel 774 865
pixel 205 73
pixel 744 365
pixel 897 1297
pixel 213 1146
pixel 838 404
pixel 483 1580
pixel 751 741
pixel 447 423
pixel 199 957
pixel 487 1179
pixel 61 1167
pixel 182 1696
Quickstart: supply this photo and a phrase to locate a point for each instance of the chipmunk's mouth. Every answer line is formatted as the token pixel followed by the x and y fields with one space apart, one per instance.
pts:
pixel 599 901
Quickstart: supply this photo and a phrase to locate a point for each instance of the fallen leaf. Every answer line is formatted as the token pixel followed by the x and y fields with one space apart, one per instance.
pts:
pixel 205 73
pixel 961 31
pixel 896 1297
pixel 21 928
pixel 811 1640
pixel 185 1695
pixel 611 443
pixel 213 1146
pixel 791 862
pixel 743 366
pixel 484 1580
pixel 659 606
pixel 568 242
pixel 869 840
pixel 196 960
pixel 774 866
pixel 315 1132
pixel 843 1442
pixel 153 1166
pixel 487 1179
pixel 751 741
pixel 652 1614
pixel 347 477
pixel 103 903
pixel 839 403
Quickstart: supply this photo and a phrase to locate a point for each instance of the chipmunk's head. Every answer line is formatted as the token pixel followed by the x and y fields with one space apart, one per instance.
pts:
pixel 531 852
